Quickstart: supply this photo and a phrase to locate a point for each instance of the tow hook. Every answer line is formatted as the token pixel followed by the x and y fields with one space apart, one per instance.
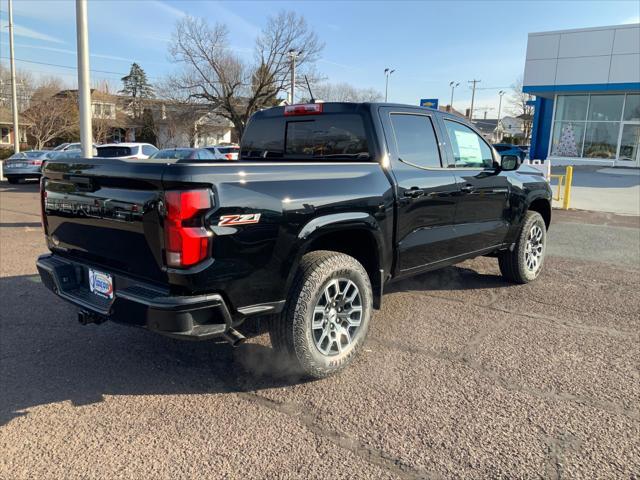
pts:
pixel 234 337
pixel 85 318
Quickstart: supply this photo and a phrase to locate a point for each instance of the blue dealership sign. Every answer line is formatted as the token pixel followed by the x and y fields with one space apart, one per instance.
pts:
pixel 429 102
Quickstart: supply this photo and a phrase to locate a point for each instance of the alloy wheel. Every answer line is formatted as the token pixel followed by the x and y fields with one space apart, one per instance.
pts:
pixel 337 317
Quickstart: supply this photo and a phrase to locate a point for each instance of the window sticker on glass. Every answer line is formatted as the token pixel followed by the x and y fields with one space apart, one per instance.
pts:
pixel 468 148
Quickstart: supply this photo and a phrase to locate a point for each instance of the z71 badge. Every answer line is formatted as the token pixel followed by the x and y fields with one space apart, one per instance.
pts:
pixel 230 220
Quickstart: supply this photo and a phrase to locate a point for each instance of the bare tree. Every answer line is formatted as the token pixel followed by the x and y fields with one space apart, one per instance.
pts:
pixel 215 75
pixel 344 92
pixel 519 106
pixel 24 88
pixel 51 114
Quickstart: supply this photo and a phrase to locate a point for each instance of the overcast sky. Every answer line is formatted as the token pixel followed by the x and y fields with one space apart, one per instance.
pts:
pixel 428 43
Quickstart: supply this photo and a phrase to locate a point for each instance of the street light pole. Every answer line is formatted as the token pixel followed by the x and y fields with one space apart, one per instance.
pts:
pixel 387 74
pixel 14 93
pixel 501 93
pixel 293 55
pixel 84 90
pixel 453 86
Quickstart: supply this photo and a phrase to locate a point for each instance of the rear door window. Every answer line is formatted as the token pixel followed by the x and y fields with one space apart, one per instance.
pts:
pixel 329 137
pixel 416 140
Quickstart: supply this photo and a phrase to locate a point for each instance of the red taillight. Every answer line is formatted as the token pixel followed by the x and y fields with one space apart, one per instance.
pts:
pixel 35 162
pixel 186 239
pixel 303 109
pixel 229 156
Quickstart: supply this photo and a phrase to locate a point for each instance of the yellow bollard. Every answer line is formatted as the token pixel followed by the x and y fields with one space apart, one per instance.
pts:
pixel 567 187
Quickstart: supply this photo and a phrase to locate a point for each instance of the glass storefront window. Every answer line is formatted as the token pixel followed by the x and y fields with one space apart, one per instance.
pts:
pixel 601 140
pixel 588 126
pixel 605 108
pixel 567 139
pixel 632 108
pixel 572 107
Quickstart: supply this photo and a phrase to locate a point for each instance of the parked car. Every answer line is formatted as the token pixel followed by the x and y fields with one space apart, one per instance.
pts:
pixel 509 149
pixel 328 204
pixel 126 151
pixel 184 154
pixel 225 152
pixel 63 147
pixel 23 165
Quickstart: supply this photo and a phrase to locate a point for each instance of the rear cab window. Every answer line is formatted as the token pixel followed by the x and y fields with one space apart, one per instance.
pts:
pixel 332 135
pixel 110 152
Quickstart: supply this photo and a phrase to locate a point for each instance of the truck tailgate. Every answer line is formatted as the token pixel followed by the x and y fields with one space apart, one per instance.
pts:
pixel 105 212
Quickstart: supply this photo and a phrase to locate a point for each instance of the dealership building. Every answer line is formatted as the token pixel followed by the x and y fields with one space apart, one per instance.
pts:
pixel 586 88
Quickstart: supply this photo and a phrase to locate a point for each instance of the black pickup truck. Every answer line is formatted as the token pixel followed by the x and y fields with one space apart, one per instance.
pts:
pixel 327 204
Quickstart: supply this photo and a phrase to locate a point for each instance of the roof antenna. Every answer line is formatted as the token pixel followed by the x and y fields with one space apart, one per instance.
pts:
pixel 313 100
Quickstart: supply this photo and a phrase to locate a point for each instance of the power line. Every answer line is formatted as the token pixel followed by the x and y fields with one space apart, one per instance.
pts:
pixel 69 67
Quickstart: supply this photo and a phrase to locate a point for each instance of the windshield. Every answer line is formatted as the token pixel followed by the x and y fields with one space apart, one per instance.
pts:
pixel 178 153
pixel 502 148
pixel 111 152
pixel 327 137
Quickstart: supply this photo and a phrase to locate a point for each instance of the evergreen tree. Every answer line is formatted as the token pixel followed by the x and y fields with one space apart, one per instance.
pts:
pixel 137 87
pixel 148 131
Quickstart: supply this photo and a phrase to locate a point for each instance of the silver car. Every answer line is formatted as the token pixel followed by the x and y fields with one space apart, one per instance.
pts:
pixel 23 165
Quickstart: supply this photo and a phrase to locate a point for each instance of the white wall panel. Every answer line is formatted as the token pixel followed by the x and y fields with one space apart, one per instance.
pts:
pixel 586 56
pixel 582 44
pixel 625 68
pixel 540 72
pixel 627 41
pixel 582 70
pixel 543 46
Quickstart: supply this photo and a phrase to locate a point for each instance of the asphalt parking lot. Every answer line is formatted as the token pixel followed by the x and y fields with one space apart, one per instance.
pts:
pixel 464 376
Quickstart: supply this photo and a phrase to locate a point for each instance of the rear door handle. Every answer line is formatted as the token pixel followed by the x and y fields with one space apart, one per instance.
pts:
pixel 413 193
pixel 467 189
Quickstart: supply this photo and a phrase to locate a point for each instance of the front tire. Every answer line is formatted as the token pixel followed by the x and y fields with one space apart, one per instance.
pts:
pixel 524 263
pixel 326 319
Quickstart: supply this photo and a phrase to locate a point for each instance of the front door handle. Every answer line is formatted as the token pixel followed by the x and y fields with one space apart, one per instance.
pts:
pixel 467 189
pixel 413 193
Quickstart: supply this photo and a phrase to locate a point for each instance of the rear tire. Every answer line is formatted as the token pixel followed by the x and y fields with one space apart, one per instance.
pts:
pixel 326 319
pixel 524 263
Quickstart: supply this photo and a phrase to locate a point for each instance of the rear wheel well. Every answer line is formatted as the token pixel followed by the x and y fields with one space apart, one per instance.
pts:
pixel 359 244
pixel 543 207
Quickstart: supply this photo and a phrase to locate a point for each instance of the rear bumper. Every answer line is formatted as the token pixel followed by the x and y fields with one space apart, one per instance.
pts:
pixel 197 317
pixel 21 172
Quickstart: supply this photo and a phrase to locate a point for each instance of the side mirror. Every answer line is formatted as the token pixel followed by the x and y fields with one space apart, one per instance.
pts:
pixel 510 162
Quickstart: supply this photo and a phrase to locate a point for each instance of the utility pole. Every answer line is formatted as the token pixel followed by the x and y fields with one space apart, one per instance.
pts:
pixel 473 96
pixel 501 93
pixel 293 55
pixel 14 93
pixel 387 74
pixel 453 86
pixel 84 90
